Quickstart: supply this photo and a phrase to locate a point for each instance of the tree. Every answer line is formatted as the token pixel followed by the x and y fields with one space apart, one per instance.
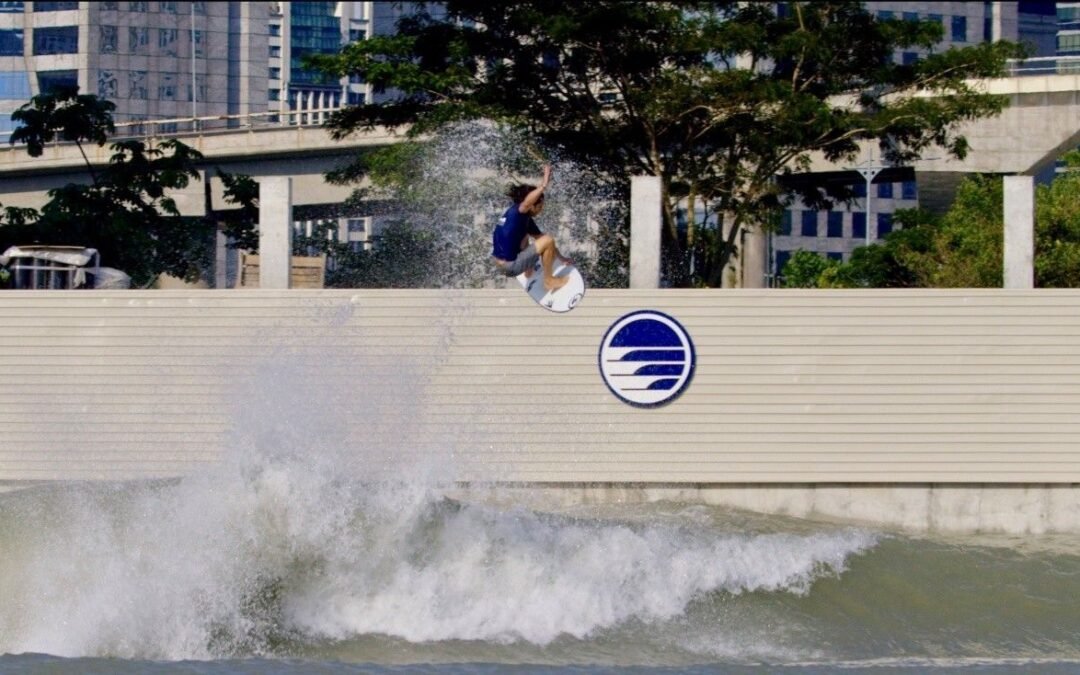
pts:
pixel 126 213
pixel 715 99
pixel 1057 228
pixel 804 268
pixel 964 248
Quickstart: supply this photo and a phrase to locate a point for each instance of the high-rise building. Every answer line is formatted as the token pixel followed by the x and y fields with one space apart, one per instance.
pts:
pixel 153 60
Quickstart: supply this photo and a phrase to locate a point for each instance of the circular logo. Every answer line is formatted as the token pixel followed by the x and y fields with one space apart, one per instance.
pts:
pixel 647 358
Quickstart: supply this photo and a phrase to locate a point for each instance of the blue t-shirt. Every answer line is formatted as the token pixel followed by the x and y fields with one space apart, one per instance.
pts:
pixel 511 231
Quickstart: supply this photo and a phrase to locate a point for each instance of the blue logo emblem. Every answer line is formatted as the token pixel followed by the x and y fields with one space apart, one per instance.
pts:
pixel 647 358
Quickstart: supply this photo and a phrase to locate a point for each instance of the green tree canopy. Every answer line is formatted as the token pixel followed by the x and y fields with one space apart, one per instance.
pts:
pixel 716 99
pixel 964 248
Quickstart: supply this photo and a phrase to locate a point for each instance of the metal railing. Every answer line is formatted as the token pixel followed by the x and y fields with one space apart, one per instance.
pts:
pixel 1044 65
pixel 209 124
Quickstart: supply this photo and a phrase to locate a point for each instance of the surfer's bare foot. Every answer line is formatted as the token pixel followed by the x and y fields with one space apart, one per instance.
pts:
pixel 555 283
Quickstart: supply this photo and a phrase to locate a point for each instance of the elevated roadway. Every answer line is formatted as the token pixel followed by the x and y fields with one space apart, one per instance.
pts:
pixel 1040 123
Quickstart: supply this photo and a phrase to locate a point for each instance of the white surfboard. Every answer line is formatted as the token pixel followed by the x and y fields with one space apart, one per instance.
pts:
pixel 561 299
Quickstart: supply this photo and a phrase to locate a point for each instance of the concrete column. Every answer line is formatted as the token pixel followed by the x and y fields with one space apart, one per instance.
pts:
pixel 645 223
pixel 1019 232
pixel 753 257
pixel 275 231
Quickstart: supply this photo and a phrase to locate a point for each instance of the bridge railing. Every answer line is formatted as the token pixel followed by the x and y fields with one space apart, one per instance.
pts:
pixel 210 124
pixel 1044 65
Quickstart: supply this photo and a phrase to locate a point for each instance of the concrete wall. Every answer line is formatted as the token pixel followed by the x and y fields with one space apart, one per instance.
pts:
pixel 809 391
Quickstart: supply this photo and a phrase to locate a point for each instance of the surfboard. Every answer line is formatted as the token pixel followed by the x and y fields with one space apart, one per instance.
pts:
pixel 562 299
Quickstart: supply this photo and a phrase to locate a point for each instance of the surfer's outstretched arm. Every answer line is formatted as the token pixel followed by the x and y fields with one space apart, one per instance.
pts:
pixel 537 193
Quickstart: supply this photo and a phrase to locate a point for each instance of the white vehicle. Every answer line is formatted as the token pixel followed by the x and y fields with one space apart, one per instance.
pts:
pixel 59 267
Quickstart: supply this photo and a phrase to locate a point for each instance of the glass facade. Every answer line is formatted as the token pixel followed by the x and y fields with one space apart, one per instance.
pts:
pixel 314 30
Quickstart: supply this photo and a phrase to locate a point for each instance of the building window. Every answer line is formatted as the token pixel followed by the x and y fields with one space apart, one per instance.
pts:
pixel 107 85
pixel 14 86
pixel 937 17
pixel 959 29
pixel 885 190
pixel 835 255
pixel 11 42
pixel 167 87
pixel 60 40
pixel 859 189
pixel 200 86
pixel 785 223
pixel 50 81
pixel 356 98
pixel 908 190
pixel 911 16
pixel 169 7
pixel 884 224
pixel 138 39
pixel 885 15
pixel 275 30
pixel 55 6
pixel 198 39
pixel 836 224
pixel 275 52
pixel 137 88
pixel 109 39
pixel 908 58
pixel 167 40
pixel 138 6
pixel 273 94
pixel 200 7
pixel 275 73
pixel 1068 44
pixel 858 225
pixel 809 223
pixel 110 6
pixel 11 7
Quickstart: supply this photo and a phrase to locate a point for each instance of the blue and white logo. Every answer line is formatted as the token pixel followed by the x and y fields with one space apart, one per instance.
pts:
pixel 647 358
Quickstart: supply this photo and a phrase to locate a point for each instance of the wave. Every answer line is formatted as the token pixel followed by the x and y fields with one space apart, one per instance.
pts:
pixel 224 568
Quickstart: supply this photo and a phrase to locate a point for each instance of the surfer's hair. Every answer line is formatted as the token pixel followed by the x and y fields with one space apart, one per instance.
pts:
pixel 519 192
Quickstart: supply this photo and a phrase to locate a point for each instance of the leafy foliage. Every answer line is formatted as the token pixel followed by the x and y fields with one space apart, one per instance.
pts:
pixel 1057 229
pixel 964 247
pixel 804 268
pixel 716 99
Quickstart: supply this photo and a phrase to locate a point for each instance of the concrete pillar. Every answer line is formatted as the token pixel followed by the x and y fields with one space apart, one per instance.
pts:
pixel 1019 232
pixel 753 257
pixel 645 223
pixel 275 231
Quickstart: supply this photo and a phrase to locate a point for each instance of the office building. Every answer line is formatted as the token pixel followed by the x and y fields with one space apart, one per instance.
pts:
pixel 154 60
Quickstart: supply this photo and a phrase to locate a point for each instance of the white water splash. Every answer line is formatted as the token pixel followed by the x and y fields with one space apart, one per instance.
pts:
pixel 460 193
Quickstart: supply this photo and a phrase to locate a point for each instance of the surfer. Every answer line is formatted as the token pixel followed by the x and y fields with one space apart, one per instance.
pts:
pixel 512 251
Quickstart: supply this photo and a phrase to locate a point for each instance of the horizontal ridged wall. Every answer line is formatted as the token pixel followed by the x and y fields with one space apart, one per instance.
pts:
pixel 790 386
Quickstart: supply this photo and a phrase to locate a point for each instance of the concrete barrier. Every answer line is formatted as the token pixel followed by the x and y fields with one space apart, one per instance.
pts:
pixel 924 409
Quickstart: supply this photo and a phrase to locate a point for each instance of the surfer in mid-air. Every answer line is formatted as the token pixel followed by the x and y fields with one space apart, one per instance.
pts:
pixel 512 251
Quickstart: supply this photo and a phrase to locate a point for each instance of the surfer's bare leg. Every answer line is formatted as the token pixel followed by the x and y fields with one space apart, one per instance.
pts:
pixel 545 246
